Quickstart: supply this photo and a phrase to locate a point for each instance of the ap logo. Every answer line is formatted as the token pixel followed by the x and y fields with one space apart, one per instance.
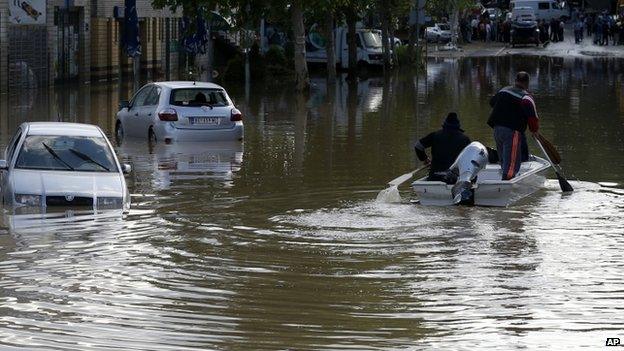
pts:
pixel 613 342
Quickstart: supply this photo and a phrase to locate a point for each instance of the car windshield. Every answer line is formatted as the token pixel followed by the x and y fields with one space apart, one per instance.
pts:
pixel 444 27
pixel 198 97
pixel 371 40
pixel 67 153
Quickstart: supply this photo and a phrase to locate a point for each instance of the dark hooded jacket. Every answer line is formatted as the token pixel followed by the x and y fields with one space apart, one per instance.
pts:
pixel 446 144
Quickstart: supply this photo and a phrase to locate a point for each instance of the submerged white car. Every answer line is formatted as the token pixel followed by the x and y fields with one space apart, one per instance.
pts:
pixel 54 164
pixel 180 111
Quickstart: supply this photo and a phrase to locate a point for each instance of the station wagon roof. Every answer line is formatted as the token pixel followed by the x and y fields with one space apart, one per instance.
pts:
pixel 188 84
pixel 63 128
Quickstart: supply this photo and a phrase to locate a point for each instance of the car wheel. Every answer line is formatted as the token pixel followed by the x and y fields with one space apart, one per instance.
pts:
pixel 119 132
pixel 151 137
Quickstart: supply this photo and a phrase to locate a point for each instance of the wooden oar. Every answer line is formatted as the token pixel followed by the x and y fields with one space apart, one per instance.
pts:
pixel 407 176
pixel 549 148
pixel 553 157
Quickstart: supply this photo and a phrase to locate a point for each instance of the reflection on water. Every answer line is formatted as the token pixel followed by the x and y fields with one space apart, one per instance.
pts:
pixel 277 243
pixel 182 163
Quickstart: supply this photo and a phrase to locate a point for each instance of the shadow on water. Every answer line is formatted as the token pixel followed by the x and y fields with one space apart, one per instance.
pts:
pixel 277 242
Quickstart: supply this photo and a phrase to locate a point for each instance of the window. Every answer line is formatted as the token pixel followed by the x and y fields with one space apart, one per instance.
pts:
pixel 543 6
pixel 66 153
pixel 198 97
pixel 371 40
pixel 153 97
pixel 555 6
pixel 140 97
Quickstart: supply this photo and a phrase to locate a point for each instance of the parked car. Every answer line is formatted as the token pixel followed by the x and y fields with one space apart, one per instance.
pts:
pixel 55 164
pixel 180 111
pixel 524 27
pixel 439 33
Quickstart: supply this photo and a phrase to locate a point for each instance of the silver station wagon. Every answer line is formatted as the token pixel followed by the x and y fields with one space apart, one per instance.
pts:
pixel 54 164
pixel 180 111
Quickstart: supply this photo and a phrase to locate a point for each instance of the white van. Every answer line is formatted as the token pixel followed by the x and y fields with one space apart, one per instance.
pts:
pixel 369 48
pixel 543 9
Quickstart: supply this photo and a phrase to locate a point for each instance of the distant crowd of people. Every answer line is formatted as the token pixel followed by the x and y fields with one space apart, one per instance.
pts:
pixel 603 27
pixel 483 28
pixel 552 30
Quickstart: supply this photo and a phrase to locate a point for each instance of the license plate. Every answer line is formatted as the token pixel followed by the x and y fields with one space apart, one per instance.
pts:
pixel 202 159
pixel 205 120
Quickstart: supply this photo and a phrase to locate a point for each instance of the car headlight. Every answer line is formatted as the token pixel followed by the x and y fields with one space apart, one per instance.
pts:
pixel 28 200
pixel 109 202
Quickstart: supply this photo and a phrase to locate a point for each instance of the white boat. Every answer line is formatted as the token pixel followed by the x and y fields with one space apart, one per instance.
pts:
pixel 489 189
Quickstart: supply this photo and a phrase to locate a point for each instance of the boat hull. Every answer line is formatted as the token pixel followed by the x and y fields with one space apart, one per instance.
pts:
pixel 489 189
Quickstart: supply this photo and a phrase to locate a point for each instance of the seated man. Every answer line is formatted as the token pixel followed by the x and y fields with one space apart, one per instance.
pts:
pixel 446 144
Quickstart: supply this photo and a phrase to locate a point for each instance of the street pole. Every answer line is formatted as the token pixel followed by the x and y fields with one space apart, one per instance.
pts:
pixel 262 37
pixel 167 49
pixel 247 46
pixel 120 57
pixel 136 71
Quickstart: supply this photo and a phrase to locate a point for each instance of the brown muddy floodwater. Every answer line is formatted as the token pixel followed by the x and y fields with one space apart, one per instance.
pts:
pixel 278 243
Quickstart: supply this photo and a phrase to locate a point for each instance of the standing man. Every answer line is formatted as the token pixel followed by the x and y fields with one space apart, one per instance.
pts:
pixel 578 31
pixel 554 30
pixel 475 28
pixel 446 144
pixel 513 109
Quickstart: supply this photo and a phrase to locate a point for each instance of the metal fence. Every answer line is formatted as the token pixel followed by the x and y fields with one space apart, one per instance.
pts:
pixel 27 56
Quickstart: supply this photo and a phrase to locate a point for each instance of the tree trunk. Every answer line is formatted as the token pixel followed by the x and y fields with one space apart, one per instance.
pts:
pixel 413 32
pixel 301 67
pixel 385 29
pixel 395 58
pixel 352 43
pixel 454 22
pixel 330 47
pixel 201 68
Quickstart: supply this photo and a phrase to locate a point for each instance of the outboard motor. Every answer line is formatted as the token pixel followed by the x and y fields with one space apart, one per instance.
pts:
pixel 464 170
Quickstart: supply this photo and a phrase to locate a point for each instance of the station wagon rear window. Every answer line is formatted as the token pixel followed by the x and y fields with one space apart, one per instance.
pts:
pixel 66 153
pixel 198 97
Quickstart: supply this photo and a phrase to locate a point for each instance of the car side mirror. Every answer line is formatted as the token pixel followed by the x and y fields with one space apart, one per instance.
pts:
pixel 3 165
pixel 124 104
pixel 126 168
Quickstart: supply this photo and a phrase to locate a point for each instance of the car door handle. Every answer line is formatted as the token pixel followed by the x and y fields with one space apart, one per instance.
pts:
pixel 149 114
pixel 136 114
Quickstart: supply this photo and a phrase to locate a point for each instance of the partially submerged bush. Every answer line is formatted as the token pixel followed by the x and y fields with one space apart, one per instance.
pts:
pixel 273 65
pixel 403 56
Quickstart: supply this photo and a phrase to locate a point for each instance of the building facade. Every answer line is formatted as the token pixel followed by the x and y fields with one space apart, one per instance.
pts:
pixel 43 42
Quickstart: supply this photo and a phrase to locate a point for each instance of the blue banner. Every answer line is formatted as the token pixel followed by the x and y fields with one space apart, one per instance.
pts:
pixel 131 35
pixel 194 42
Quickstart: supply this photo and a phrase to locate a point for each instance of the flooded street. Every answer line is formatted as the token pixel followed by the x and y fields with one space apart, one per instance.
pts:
pixel 277 243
